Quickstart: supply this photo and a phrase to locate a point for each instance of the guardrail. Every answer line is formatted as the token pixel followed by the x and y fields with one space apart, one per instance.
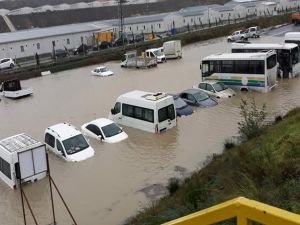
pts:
pixel 245 211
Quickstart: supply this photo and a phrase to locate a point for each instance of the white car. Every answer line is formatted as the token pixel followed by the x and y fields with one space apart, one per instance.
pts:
pixel 105 130
pixel 102 71
pixel 7 63
pixel 237 35
pixel 215 88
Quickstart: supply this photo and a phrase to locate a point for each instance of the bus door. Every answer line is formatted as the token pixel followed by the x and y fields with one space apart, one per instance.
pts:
pixel 284 60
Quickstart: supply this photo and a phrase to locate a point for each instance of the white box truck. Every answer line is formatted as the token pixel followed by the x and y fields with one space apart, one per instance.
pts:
pixel 23 152
pixel 172 49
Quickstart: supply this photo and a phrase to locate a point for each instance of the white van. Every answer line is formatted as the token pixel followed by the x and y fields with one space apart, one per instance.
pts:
pixel 67 141
pixel 152 112
pixel 172 49
pixel 157 53
pixel 24 152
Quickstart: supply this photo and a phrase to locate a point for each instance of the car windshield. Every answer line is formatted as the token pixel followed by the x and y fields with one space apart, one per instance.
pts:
pixel 179 103
pixel 219 87
pixel 201 96
pixel 111 130
pixel 157 53
pixel 103 69
pixel 75 144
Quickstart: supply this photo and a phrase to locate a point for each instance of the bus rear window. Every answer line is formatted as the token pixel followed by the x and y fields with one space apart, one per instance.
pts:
pixel 166 113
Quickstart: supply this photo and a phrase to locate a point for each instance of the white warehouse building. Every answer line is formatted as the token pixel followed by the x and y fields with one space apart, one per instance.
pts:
pixel 26 43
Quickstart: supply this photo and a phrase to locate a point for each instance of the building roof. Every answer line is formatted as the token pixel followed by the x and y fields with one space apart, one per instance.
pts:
pixel 51 31
pixel 196 10
pixel 139 19
pixel 18 143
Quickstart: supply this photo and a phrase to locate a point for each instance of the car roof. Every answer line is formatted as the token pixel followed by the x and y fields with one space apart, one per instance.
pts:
pixel 101 122
pixel 101 67
pixel 192 91
pixel 211 81
pixel 63 130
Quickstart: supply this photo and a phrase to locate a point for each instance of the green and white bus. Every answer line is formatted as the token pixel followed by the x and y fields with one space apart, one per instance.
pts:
pixel 257 71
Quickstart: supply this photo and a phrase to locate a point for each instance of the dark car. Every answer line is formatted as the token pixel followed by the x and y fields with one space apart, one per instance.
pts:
pixel 105 45
pixel 61 53
pixel 182 108
pixel 198 98
pixel 119 42
pixel 135 38
pixel 81 49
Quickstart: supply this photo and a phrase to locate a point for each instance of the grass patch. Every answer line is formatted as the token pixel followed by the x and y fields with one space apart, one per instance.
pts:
pixel 265 168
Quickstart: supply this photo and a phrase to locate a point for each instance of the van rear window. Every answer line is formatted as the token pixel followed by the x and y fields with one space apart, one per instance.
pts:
pixel 166 113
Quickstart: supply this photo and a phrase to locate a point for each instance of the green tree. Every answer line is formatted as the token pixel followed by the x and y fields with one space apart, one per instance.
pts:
pixel 253 119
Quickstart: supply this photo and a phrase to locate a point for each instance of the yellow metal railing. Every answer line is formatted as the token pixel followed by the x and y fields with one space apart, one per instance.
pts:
pixel 244 210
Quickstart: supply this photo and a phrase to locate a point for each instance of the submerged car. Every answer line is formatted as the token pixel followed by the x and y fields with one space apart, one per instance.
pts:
pixel 216 89
pixel 197 97
pixel 105 130
pixel 102 71
pixel 182 108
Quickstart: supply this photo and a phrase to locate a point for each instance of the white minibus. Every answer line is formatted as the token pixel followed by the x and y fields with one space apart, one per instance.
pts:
pixel 255 71
pixel 152 112
pixel 287 55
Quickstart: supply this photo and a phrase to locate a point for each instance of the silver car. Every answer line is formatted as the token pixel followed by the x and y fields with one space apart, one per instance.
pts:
pixel 215 88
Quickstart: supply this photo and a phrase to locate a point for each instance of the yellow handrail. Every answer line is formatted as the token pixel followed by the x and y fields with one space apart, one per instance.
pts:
pixel 244 210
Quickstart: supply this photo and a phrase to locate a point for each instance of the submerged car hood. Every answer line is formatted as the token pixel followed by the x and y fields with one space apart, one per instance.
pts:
pixel 117 138
pixel 82 155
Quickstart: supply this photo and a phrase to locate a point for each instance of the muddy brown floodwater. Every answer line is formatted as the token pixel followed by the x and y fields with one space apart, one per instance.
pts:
pixel 123 178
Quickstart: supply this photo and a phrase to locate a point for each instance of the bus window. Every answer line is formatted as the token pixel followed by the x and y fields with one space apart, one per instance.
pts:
pixel 271 61
pixel 205 69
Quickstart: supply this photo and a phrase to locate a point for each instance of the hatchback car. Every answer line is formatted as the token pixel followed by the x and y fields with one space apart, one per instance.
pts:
pixel 7 63
pixel 104 130
pixel 182 108
pixel 102 71
pixel 197 97
pixel 81 49
pixel 216 89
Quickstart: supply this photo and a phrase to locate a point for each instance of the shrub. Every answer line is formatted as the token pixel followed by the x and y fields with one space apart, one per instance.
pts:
pixel 173 185
pixel 253 119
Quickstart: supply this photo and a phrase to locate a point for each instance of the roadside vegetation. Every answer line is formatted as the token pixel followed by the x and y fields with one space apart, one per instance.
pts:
pixel 265 166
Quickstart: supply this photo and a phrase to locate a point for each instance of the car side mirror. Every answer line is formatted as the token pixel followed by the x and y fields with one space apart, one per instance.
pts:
pixel 100 137
pixel 113 111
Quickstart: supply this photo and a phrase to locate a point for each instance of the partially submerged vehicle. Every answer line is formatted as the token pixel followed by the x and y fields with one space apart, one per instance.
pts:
pixel 215 88
pixel 157 53
pixel 152 112
pixel 172 49
pixel 67 141
pixel 102 71
pixel 132 59
pixel 104 130
pixel 25 153
pixel 13 89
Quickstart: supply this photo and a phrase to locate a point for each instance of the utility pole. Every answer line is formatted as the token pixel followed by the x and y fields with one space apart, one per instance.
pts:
pixel 121 20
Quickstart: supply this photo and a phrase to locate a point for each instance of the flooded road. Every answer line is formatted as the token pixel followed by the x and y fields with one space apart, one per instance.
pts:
pixel 123 178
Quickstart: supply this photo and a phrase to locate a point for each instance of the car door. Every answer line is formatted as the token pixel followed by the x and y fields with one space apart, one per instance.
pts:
pixel 202 86
pixel 51 145
pixel 93 131
pixel 210 90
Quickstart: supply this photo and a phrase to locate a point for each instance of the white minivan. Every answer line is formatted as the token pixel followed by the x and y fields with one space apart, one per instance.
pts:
pixel 67 141
pixel 157 53
pixel 152 112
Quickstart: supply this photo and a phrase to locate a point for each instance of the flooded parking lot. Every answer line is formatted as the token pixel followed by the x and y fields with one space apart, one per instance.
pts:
pixel 123 178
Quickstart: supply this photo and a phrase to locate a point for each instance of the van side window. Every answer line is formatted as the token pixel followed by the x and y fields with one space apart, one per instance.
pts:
pixel 5 168
pixel 50 140
pixel 166 113
pixel 59 146
pixel 94 129
pixel 138 112
pixel 117 107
